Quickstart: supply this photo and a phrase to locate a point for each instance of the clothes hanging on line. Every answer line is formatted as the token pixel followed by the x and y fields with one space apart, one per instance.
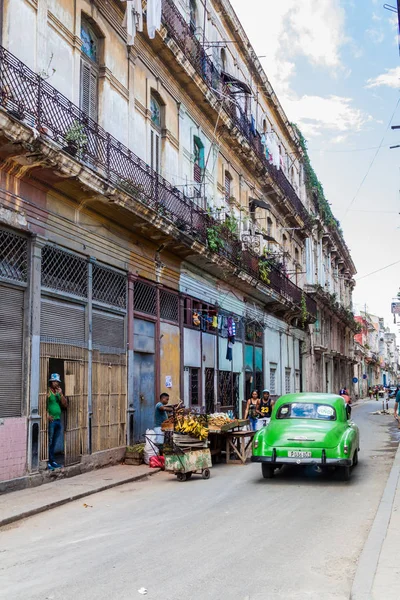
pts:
pixel 133 19
pixel 229 354
pixel 153 17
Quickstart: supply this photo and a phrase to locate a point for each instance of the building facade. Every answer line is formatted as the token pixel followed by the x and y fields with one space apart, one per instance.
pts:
pixel 156 227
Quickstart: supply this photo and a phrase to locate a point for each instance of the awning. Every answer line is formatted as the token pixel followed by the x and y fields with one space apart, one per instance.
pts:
pixel 240 85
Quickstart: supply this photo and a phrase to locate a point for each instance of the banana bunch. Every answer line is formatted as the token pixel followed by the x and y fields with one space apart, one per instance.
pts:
pixel 192 427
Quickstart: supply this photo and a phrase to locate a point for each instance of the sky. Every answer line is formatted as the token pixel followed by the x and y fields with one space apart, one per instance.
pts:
pixel 335 67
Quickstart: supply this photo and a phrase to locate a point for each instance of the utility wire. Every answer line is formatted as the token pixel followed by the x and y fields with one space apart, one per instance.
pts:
pixel 378 270
pixel 349 149
pixel 373 160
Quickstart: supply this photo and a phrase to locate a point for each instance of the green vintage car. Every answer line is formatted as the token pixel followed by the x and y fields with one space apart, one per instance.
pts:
pixel 308 429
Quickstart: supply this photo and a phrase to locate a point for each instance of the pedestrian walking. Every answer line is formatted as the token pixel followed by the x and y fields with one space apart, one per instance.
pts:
pixel 55 402
pixel 370 392
pixel 397 407
pixel 252 409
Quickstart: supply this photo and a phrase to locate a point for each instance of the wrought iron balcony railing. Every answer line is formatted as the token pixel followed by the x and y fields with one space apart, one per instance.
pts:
pixel 180 31
pixel 26 96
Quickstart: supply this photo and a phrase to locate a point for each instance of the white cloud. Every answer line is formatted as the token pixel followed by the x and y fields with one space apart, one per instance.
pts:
pixel 315 115
pixel 285 30
pixel 375 35
pixel 391 78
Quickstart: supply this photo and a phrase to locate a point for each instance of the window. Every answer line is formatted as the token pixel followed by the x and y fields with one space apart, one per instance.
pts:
pixel 192 15
pixel 298 410
pixel 269 227
pixel 228 185
pixel 223 59
pixel 198 151
pixel 287 381
pixel 272 380
pixel 155 139
pixel 155 110
pixel 194 387
pixel 89 70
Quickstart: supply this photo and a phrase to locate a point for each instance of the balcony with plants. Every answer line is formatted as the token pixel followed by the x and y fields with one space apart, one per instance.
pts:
pixel 56 128
pixel 178 30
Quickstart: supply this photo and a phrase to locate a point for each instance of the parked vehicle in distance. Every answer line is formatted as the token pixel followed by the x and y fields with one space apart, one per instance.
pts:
pixel 308 429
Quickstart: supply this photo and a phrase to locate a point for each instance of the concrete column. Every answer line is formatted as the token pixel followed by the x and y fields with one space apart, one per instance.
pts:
pixel 132 56
pixel 130 405
pixel 34 370
pixel 42 57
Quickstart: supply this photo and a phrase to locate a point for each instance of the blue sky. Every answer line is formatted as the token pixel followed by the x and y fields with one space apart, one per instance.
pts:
pixel 335 67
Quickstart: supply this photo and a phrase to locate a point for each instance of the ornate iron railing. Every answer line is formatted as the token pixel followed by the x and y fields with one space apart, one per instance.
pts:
pixel 29 98
pixel 179 30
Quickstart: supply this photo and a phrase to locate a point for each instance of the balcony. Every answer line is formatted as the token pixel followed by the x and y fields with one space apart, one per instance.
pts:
pixel 151 200
pixel 179 30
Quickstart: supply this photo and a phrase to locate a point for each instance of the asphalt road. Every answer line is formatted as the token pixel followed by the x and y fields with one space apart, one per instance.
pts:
pixel 233 537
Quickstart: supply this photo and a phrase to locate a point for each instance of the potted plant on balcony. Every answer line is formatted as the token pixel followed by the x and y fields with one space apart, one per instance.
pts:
pixel 76 139
pixel 264 270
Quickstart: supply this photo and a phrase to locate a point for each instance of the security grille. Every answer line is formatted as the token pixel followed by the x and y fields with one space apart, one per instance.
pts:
pixel 209 390
pixel 145 298
pixel 169 306
pixel 272 381
pixel 13 256
pixel 64 272
pixel 108 332
pixel 108 286
pixel 287 381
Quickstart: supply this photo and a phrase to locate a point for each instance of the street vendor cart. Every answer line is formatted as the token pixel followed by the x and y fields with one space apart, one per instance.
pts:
pixel 188 452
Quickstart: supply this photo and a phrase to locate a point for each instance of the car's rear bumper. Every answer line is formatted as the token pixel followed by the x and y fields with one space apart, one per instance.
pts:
pixel 281 460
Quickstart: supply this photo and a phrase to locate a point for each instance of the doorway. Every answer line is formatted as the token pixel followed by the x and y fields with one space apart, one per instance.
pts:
pixel 143 393
pixel 56 365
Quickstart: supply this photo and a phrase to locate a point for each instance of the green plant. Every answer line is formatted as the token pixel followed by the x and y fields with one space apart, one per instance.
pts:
pixel 264 270
pixel 76 136
pixel 214 239
pixel 304 312
pixel 231 223
pixel 314 186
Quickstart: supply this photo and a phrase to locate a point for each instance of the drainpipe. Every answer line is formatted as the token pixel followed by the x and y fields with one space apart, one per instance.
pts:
pixel 130 403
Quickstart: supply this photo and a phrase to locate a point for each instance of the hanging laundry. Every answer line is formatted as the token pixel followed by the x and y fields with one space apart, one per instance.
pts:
pixel 153 17
pixel 196 320
pixel 230 323
pixel 229 351
pixel 133 19
pixel 215 321
pixel 220 323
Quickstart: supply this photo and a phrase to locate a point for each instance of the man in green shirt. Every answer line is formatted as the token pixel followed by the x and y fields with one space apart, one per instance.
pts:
pixel 55 400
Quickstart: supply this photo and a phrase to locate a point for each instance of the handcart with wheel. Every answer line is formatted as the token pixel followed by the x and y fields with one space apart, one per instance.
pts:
pixel 188 454
pixel 185 463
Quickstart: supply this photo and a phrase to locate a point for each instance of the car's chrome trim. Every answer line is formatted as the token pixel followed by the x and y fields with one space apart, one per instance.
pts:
pixel 301 439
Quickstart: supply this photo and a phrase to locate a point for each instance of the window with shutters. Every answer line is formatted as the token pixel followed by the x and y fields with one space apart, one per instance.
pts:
pixel 228 185
pixel 156 116
pixel 198 167
pixel 11 350
pixel 89 70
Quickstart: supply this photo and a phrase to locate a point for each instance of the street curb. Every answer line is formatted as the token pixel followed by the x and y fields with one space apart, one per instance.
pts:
pixel 366 569
pixel 55 504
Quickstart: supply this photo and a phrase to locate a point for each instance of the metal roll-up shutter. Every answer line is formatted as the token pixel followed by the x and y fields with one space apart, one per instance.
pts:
pixel 62 322
pixel 108 331
pixel 11 347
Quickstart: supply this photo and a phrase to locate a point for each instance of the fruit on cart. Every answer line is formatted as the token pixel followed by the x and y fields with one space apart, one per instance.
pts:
pixel 217 420
pixel 191 426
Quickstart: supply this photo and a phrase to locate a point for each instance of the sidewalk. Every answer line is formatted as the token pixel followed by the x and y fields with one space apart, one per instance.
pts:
pixel 378 571
pixel 25 503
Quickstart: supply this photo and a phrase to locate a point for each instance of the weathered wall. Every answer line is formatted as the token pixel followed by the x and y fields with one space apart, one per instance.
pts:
pixel 170 364
pixel 13 434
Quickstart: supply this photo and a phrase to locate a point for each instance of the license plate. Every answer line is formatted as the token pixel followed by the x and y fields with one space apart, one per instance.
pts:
pixel 298 454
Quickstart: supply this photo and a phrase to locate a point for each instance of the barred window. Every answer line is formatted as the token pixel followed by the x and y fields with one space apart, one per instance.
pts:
pixel 109 286
pixel 64 272
pixel 272 380
pixel 13 256
pixel 169 306
pixel 287 381
pixel 145 298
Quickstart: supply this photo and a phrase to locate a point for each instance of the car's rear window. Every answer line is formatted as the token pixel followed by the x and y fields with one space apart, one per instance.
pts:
pixel 302 410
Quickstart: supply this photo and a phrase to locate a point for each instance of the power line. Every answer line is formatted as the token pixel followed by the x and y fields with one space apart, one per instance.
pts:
pixel 349 150
pixel 372 161
pixel 378 270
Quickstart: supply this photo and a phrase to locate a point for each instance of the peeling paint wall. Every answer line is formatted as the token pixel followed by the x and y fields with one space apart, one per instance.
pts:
pixel 170 364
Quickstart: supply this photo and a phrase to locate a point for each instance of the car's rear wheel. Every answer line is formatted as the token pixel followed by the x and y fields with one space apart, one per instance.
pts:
pixel 267 471
pixel 355 459
pixel 346 473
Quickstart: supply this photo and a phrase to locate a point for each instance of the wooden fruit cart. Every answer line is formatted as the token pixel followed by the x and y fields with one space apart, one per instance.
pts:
pixel 184 463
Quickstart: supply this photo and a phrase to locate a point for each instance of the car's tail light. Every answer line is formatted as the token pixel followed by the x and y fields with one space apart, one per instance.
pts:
pixel 346 449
